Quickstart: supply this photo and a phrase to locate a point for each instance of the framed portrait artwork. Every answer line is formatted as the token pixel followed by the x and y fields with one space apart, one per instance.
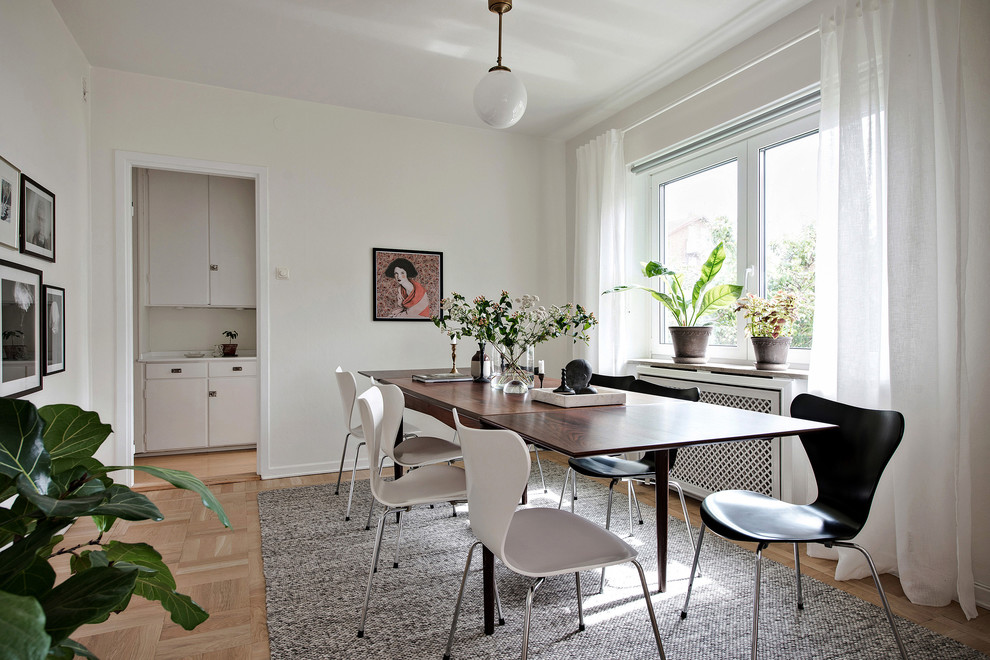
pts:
pixel 20 320
pixel 54 334
pixel 408 284
pixel 10 194
pixel 37 219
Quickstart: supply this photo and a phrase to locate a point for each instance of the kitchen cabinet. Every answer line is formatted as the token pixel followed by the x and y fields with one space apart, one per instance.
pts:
pixel 200 240
pixel 200 404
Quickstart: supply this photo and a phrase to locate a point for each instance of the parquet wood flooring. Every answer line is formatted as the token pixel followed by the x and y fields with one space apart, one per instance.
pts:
pixel 222 570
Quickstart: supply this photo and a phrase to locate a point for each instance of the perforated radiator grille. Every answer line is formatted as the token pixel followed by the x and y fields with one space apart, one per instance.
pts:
pixel 747 465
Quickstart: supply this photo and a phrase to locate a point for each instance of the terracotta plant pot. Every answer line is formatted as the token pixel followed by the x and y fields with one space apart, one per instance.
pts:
pixel 229 350
pixel 771 352
pixel 690 343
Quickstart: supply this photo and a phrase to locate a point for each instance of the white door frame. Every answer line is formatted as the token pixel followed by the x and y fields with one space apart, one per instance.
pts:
pixel 124 163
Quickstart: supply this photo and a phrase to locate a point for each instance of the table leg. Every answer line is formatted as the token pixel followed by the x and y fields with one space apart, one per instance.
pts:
pixel 488 580
pixel 660 480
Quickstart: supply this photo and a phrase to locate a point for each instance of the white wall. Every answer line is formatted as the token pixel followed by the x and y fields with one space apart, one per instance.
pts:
pixel 340 183
pixel 44 132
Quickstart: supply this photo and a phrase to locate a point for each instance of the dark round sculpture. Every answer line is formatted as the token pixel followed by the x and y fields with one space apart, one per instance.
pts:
pixel 579 375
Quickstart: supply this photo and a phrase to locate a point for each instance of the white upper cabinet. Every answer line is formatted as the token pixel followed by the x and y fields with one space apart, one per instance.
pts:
pixel 201 240
pixel 232 270
pixel 178 238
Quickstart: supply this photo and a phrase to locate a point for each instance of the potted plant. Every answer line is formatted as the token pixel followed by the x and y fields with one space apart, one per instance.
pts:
pixel 230 348
pixel 48 481
pixel 770 325
pixel 690 335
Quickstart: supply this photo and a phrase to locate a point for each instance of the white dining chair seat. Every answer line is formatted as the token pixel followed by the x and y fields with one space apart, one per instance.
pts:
pixel 425 485
pixel 425 449
pixel 544 542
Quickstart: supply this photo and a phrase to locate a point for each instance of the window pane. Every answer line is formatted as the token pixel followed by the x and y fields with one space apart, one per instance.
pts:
pixel 790 209
pixel 699 211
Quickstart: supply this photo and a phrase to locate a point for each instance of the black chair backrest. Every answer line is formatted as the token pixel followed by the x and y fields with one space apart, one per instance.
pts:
pixel 615 382
pixel 646 387
pixel 848 461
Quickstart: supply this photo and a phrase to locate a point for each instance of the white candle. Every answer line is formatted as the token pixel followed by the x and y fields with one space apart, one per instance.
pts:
pixel 539 367
pixel 453 339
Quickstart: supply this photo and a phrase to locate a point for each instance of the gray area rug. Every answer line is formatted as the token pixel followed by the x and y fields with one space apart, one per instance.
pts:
pixel 316 569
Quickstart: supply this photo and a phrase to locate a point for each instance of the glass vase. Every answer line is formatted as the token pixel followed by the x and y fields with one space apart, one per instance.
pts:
pixel 514 377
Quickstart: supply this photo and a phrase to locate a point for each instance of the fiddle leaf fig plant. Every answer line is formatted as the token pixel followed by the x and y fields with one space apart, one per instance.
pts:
pixel 705 297
pixel 49 479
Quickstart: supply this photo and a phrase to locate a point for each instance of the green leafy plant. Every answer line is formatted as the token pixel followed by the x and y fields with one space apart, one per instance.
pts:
pixel 770 317
pixel 511 325
pixel 12 334
pixel 705 297
pixel 230 334
pixel 49 476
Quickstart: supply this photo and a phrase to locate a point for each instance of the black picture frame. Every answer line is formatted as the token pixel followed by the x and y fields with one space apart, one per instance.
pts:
pixel 20 321
pixel 37 220
pixel 10 207
pixel 392 300
pixel 53 336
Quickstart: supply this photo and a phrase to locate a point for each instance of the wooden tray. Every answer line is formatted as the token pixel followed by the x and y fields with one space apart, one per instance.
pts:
pixel 606 397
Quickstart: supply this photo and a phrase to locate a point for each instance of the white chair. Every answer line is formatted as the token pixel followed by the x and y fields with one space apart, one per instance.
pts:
pixel 538 542
pixel 429 484
pixel 412 452
pixel 347 388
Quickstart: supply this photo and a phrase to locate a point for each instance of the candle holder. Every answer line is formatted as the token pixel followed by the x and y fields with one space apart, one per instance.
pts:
pixel 453 359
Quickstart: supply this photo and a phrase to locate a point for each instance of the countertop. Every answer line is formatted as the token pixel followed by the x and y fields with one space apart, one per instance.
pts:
pixel 180 356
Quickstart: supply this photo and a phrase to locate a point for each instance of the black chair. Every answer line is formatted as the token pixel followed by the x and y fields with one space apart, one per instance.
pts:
pixel 615 382
pixel 616 468
pixel 847 463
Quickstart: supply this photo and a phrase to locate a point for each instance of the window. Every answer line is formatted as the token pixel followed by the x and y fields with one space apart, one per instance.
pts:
pixel 756 192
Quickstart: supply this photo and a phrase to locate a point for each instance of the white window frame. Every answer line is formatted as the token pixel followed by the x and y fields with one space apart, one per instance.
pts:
pixel 745 148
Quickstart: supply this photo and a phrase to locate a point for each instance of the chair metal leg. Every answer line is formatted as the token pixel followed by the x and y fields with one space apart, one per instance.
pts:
pixel 649 608
pixel 577 580
pixel 687 517
pixel 694 569
pixel 563 488
pixel 639 511
pixel 371 505
pixel 608 522
pixel 498 605
pixel 460 596
pixel 797 574
pixel 343 457
pixel 398 540
pixel 529 610
pixel 350 495
pixel 540 466
pixel 371 570
pixel 630 496
pixel 883 596
pixel 756 599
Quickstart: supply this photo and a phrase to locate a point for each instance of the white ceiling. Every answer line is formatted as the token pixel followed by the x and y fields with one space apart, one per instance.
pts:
pixel 580 59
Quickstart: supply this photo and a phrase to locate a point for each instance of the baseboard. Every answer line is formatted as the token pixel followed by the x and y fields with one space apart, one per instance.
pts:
pixel 982 595
pixel 304 469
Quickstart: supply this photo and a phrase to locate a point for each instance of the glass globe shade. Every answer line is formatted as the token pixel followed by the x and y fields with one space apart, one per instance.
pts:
pixel 500 98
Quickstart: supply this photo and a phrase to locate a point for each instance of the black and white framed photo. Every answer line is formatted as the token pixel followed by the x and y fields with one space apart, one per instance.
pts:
pixel 20 321
pixel 407 284
pixel 10 194
pixel 54 334
pixel 37 219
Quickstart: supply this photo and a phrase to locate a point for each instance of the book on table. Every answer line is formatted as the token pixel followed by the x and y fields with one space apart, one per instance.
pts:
pixel 441 378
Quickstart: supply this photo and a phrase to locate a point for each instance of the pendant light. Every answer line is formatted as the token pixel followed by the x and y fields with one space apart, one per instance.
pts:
pixel 500 97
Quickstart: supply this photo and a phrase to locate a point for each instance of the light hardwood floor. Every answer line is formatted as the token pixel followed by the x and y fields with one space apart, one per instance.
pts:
pixel 222 571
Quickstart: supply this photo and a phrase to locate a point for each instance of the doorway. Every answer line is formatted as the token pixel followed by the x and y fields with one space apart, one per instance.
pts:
pixel 126 416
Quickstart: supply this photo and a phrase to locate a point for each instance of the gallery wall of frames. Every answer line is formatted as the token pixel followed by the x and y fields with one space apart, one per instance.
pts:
pixel 32 313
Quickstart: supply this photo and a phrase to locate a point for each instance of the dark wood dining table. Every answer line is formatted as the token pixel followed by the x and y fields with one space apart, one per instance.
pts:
pixel 644 423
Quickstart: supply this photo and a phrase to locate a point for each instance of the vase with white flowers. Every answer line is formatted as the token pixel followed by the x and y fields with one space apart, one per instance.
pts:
pixel 512 325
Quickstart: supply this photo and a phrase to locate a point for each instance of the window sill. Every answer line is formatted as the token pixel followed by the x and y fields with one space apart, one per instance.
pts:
pixel 746 369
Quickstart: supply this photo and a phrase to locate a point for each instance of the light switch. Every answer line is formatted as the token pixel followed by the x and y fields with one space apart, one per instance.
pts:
pixel 281 273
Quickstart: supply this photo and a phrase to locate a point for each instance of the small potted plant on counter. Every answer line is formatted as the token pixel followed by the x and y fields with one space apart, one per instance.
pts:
pixel 230 348
pixel 770 323
pixel 690 336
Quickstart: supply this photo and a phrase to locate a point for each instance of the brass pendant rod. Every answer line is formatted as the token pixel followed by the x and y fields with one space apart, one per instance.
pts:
pixel 499 60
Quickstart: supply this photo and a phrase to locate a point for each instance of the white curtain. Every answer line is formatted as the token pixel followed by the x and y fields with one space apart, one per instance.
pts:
pixel 599 248
pixel 900 321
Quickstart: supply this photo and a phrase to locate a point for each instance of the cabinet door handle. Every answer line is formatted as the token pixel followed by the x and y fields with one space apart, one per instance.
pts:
pixel 238 368
pixel 213 394
pixel 214 267
pixel 176 371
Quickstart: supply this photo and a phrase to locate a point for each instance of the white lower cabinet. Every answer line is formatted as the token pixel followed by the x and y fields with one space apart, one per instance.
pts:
pixel 198 405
